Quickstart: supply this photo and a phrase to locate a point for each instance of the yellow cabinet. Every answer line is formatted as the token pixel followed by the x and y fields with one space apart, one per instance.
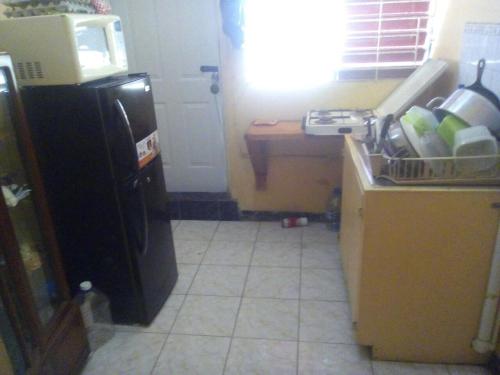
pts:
pixel 417 262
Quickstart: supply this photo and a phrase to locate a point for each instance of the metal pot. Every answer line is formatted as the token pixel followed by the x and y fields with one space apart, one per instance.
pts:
pixel 470 107
pixel 393 140
pixel 397 144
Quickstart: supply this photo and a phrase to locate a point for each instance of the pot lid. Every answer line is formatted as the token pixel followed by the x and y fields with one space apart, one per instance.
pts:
pixel 411 88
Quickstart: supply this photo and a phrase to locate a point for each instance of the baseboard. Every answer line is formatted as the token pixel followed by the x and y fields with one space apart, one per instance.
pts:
pixel 203 206
pixel 280 215
pixel 494 364
pixel 221 206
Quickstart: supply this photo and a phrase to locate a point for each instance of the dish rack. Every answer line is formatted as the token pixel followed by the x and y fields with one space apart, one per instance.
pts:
pixel 433 171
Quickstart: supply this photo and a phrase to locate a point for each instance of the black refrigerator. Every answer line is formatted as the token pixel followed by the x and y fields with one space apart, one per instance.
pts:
pixel 101 164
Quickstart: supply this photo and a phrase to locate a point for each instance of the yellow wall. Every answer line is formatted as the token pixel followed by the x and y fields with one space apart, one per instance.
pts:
pixel 297 182
pixel 301 183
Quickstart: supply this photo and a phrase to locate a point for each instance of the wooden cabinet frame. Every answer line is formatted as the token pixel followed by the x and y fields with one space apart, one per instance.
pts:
pixel 54 346
pixel 417 261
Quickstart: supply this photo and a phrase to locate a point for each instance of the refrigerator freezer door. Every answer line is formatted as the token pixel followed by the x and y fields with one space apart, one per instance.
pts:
pixel 133 136
pixel 136 98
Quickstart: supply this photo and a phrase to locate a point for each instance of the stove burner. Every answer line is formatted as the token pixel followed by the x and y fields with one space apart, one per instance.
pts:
pixel 324 112
pixel 334 122
pixel 325 120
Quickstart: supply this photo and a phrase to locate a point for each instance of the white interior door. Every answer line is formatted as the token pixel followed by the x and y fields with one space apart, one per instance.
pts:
pixel 170 40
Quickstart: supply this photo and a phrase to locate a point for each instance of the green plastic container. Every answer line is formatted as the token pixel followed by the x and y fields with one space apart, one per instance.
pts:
pixel 423 120
pixel 448 127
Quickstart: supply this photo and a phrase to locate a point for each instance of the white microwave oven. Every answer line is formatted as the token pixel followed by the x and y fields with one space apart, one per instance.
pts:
pixel 64 49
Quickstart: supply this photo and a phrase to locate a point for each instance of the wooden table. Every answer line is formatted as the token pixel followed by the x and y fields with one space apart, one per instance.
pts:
pixel 258 138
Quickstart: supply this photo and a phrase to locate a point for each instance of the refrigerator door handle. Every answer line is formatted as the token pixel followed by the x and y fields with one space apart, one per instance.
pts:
pixel 128 130
pixel 143 240
pixel 143 247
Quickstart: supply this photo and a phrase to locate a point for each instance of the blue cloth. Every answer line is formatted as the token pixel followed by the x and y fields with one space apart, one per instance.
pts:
pixel 232 21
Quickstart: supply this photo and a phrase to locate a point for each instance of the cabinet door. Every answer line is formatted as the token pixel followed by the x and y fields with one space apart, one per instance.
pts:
pixel 20 219
pixel 351 233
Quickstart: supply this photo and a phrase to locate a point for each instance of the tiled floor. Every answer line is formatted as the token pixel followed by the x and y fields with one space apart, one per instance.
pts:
pixel 252 298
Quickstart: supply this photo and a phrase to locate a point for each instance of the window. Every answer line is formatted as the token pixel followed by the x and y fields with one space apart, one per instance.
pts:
pixel 385 37
pixel 304 43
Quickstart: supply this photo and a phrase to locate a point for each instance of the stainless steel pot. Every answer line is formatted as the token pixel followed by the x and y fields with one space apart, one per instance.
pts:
pixel 397 144
pixel 470 107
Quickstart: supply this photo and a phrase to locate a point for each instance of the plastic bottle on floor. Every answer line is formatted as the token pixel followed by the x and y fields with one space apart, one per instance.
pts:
pixel 332 213
pixel 292 222
pixel 96 314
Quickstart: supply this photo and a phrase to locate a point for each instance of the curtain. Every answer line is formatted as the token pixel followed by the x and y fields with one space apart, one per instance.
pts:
pixel 232 21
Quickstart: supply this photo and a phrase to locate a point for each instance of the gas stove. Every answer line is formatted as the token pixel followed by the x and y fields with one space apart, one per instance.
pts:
pixel 336 122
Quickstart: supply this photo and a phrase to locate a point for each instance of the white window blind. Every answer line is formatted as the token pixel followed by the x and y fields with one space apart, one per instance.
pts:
pixel 386 38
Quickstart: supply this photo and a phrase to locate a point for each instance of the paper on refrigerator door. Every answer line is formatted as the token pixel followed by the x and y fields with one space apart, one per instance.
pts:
pixel 148 148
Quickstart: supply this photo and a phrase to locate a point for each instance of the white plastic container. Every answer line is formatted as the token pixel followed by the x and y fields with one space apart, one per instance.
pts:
pixel 94 306
pixel 475 141
pixel 433 146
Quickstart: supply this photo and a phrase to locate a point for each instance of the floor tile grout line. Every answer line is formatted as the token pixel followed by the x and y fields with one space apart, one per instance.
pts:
pixel 184 300
pixel 167 334
pixel 244 287
pixel 241 300
pixel 185 297
pixel 300 298
pixel 176 315
pixel 159 353
pixel 243 291
pixel 252 297
pixel 247 338
pixel 242 337
pixel 339 268
pixel 265 339
pixel 202 258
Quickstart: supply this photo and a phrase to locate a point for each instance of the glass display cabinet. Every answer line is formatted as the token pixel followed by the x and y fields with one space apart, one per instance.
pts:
pixel 41 330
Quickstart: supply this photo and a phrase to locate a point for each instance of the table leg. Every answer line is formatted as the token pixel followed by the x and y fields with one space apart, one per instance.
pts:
pixel 258 156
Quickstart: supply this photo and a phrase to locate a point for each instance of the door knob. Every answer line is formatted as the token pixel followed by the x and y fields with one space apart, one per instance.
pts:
pixel 214 88
pixel 209 69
